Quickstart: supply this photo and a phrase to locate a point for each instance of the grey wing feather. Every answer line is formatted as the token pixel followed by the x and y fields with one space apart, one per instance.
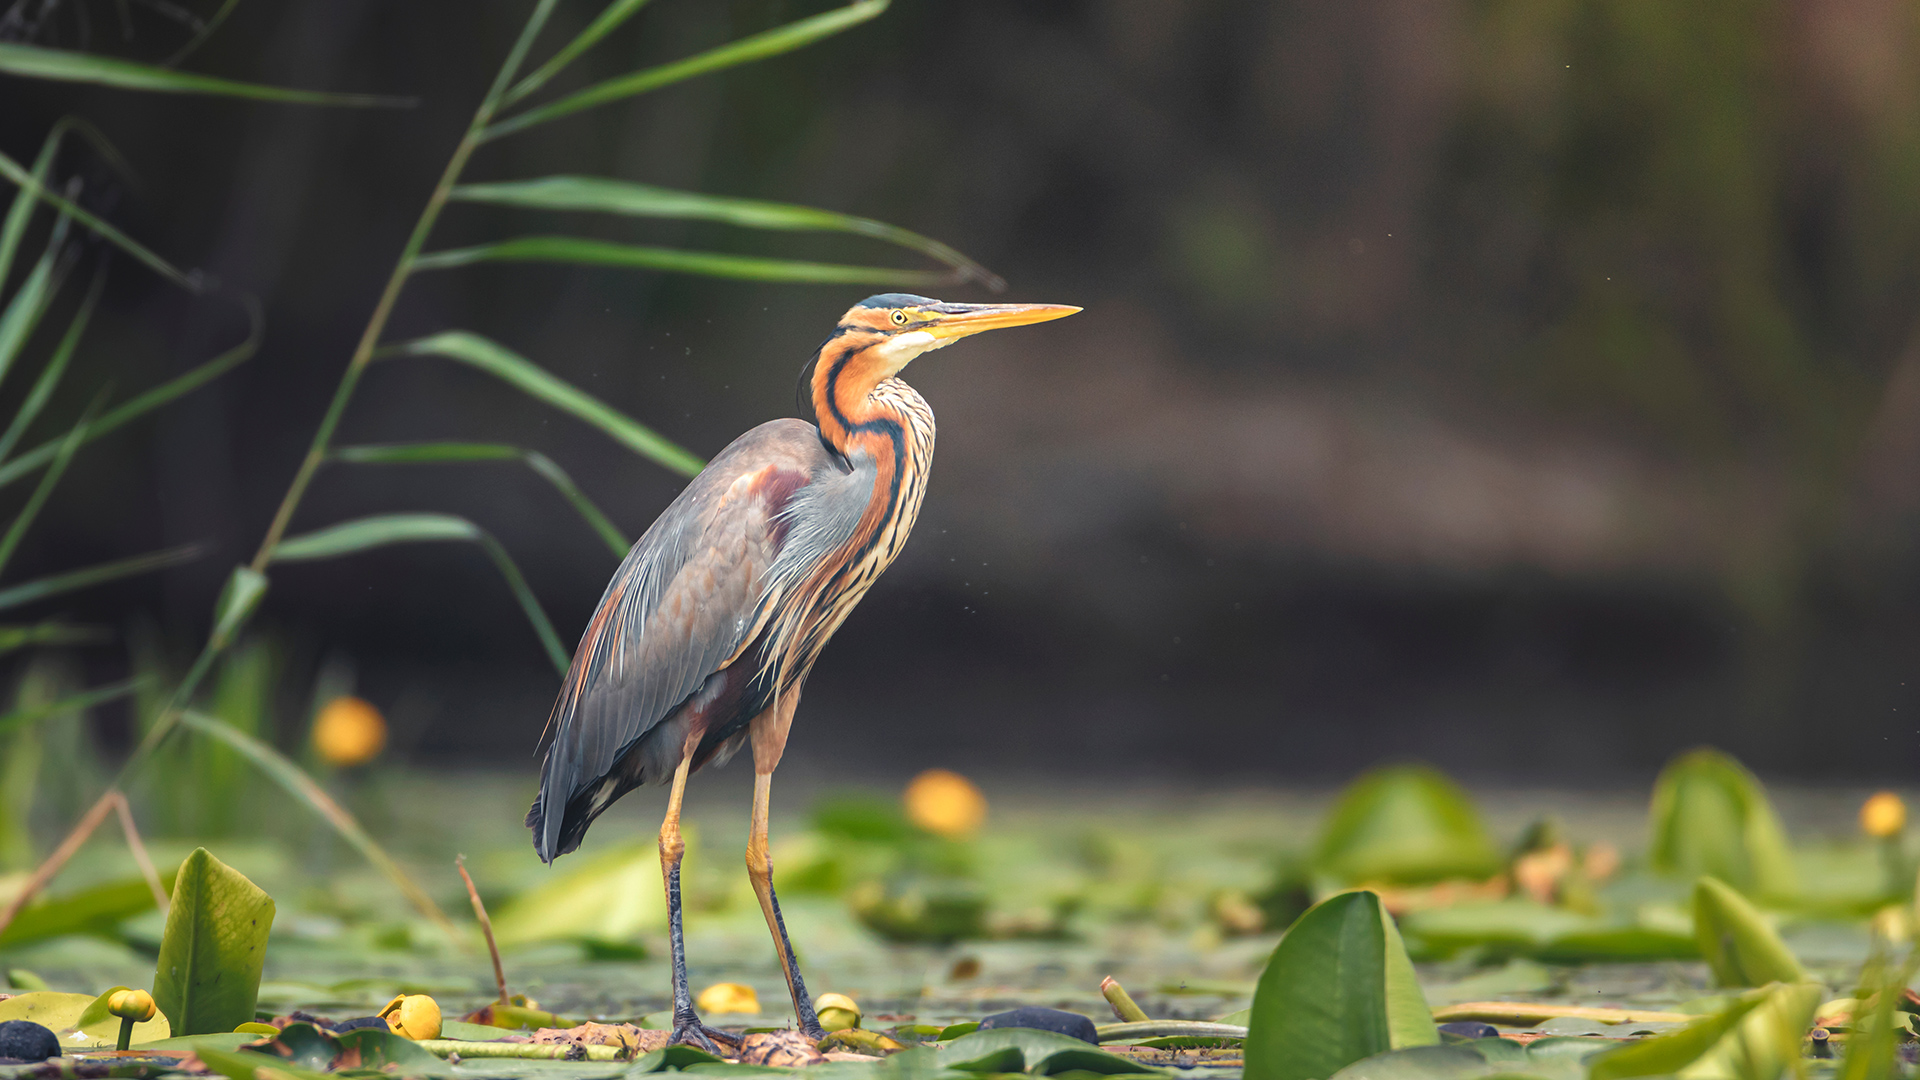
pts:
pixel 686 600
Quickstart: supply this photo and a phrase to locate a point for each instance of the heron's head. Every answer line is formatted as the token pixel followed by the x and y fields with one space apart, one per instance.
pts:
pixel 882 334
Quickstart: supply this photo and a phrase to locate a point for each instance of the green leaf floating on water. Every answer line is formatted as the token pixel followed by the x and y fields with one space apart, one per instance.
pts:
pixel 97 910
pixel 1548 1059
pixel 1405 824
pixel 1740 945
pixel 216 940
pixel 1711 816
pixel 1755 1038
pixel 76 1019
pixel 1338 988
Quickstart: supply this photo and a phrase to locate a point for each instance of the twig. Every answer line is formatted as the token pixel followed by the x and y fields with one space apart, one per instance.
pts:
pixel 1521 1013
pixel 1162 1029
pixel 61 854
pixel 537 1051
pixel 1123 1007
pixel 486 927
pixel 139 850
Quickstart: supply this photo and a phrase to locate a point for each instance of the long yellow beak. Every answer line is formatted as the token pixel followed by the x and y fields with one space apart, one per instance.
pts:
pixel 949 321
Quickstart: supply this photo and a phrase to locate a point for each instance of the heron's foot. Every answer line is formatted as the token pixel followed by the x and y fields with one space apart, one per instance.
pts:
pixel 689 1031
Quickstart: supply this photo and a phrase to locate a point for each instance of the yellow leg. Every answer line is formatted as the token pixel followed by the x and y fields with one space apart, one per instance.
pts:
pixel 686 1023
pixel 760 869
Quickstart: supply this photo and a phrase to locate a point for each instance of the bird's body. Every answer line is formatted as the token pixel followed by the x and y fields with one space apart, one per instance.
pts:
pixel 706 634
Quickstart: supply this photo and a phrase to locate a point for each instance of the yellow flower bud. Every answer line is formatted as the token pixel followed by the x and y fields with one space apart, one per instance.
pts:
pixel 729 998
pixel 837 1012
pixel 1883 815
pixel 349 732
pixel 413 1016
pixel 945 802
pixel 134 1005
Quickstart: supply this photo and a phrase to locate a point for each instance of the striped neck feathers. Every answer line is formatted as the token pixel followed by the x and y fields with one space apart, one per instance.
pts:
pixel 857 401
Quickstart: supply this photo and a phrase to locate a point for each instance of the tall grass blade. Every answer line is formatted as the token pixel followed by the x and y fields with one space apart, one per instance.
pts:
pixel 144 403
pixel 21 210
pixel 54 584
pixel 309 793
pixel 459 453
pixel 50 375
pixel 61 458
pixel 747 50
pixel 584 252
pixel 28 183
pixel 72 703
pixel 605 23
pixel 381 530
pixel 604 195
pixel 62 65
pixel 534 381
pixel 22 314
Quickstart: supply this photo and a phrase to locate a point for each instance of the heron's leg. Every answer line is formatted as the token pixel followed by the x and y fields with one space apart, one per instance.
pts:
pixel 760 869
pixel 687 1027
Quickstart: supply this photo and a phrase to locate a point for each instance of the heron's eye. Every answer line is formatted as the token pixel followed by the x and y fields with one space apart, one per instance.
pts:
pixel 899 317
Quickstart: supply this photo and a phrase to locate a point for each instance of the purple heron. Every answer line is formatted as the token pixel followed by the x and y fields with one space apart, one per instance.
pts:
pixel 704 638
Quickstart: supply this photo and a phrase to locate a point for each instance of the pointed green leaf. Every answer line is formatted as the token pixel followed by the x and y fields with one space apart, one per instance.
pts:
pixel 1709 815
pixel 28 183
pixel 1405 824
pixel 145 403
pixel 584 252
pixel 51 375
pixel 1756 1038
pixel 747 50
pixel 534 381
pixel 1740 945
pixel 456 453
pixel 61 65
pixel 380 530
pixel 44 490
pixel 244 590
pixel 50 632
pixel 208 977
pixel 1338 988
pixel 609 20
pixel 54 584
pixel 603 195
pixel 22 313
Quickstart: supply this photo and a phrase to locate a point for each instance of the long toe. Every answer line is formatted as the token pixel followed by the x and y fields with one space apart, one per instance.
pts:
pixel 694 1033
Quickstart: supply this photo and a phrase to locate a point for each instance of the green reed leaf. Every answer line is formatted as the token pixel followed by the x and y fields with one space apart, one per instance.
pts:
pixel 604 195
pixel 200 37
pixel 747 50
pixel 50 375
pixel 381 530
pixel 460 453
pixel 21 211
pixel 72 703
pixel 609 19
pixel 30 184
pixel 144 403
pixel 69 581
pixel 584 252
pixel 63 65
pixel 23 521
pixel 51 632
pixel 302 787
pixel 535 381
pixel 22 314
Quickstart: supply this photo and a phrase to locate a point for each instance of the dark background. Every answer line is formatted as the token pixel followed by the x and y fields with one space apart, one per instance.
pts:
pixel 1526 386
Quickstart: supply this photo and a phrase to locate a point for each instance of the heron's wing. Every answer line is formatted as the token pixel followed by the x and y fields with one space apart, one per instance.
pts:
pixel 689 597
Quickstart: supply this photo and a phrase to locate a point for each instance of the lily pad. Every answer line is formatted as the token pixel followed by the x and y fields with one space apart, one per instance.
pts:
pixel 68 1016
